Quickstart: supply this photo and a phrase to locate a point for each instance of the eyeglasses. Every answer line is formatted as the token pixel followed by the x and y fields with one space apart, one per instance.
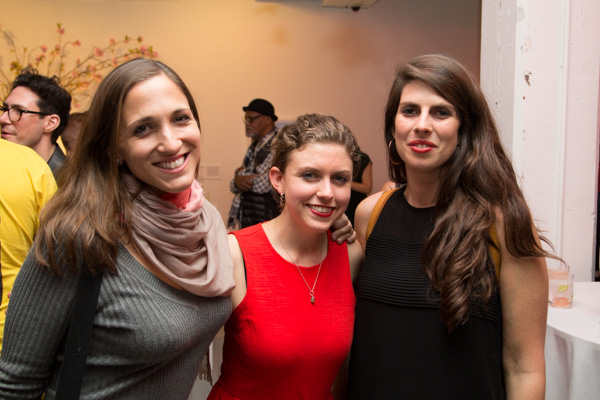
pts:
pixel 250 119
pixel 14 114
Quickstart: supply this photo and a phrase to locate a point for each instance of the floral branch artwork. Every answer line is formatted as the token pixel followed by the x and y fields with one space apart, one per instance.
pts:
pixel 79 75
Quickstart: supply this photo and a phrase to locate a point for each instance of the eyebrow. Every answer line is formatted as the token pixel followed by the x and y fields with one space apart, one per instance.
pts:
pixel 413 103
pixel 138 121
pixel 150 118
pixel 447 105
pixel 13 105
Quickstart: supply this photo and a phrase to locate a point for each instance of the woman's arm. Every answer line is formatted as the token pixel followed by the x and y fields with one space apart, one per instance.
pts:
pixel 524 298
pixel 367 180
pixel 355 256
pixel 239 271
pixel 36 321
pixel 362 215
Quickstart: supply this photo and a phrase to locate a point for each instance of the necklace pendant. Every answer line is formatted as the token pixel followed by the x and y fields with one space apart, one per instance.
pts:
pixel 312 299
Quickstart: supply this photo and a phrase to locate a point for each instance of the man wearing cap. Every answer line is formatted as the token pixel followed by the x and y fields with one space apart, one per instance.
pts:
pixel 254 201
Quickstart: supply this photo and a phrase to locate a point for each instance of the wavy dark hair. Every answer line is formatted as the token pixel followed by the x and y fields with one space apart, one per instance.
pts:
pixel 477 181
pixel 89 212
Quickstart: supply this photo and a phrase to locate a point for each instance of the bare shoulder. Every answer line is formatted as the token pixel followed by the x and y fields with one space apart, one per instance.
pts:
pixel 234 248
pixel 362 215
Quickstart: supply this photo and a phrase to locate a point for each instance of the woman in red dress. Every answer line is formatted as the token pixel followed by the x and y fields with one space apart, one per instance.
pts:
pixel 293 316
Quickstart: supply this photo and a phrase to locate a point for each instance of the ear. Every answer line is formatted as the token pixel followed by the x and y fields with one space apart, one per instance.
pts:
pixel 276 178
pixel 52 122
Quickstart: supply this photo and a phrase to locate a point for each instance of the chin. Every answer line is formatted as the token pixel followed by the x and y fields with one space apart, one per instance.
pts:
pixel 176 188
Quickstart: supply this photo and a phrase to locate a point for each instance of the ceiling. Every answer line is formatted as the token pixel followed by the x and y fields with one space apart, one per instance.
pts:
pixel 353 4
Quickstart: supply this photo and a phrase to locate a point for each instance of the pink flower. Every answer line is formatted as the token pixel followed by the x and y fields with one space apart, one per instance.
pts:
pixel 57 47
pixel 44 48
pixel 74 74
pixel 112 42
pixel 143 50
pixel 77 43
pixel 60 30
pixel 155 55
pixel 115 61
pixel 98 52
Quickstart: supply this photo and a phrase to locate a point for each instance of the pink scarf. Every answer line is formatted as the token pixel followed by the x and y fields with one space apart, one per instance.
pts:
pixel 189 244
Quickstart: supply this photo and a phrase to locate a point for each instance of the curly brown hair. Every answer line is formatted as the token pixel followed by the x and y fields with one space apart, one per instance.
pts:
pixel 312 128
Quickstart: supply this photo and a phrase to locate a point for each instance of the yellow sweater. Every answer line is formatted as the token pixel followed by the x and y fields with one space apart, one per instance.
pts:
pixel 26 184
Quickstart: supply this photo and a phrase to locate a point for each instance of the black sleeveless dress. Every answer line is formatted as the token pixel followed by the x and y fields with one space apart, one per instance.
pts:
pixel 401 348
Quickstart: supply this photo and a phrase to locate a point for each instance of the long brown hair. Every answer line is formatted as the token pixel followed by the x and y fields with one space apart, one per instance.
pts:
pixel 89 212
pixel 475 182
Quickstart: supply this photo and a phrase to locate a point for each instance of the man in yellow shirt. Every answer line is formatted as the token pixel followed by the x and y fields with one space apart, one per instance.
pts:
pixel 26 184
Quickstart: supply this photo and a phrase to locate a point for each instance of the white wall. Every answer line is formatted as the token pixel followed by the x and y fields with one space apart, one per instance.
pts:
pixel 299 55
pixel 540 68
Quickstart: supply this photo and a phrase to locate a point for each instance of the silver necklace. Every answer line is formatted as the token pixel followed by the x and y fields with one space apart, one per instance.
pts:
pixel 310 291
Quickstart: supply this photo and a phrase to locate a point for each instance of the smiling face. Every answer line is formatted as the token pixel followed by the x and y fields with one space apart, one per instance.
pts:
pixel 159 137
pixel 426 129
pixel 316 183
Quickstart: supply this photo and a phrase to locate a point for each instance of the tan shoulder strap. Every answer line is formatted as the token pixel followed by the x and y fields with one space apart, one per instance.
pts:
pixel 495 252
pixel 377 210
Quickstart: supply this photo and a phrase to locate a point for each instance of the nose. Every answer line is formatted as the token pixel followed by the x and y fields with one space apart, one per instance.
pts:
pixel 4 118
pixel 325 191
pixel 170 142
pixel 423 123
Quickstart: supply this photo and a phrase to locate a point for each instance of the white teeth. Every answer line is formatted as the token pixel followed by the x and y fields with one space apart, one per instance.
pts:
pixel 171 164
pixel 321 209
pixel 421 146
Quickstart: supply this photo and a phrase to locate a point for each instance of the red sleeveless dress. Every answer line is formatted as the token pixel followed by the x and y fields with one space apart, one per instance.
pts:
pixel 277 344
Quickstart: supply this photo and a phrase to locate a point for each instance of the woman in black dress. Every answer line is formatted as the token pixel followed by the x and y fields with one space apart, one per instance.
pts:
pixel 436 317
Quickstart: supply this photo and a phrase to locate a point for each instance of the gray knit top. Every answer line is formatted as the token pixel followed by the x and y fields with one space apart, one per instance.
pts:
pixel 148 338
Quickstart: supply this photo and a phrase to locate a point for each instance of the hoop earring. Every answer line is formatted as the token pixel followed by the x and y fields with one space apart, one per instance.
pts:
pixel 281 200
pixel 390 154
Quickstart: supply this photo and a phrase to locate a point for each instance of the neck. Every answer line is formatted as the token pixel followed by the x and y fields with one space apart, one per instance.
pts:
pixel 180 199
pixel 264 133
pixel 422 192
pixel 306 248
pixel 45 149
